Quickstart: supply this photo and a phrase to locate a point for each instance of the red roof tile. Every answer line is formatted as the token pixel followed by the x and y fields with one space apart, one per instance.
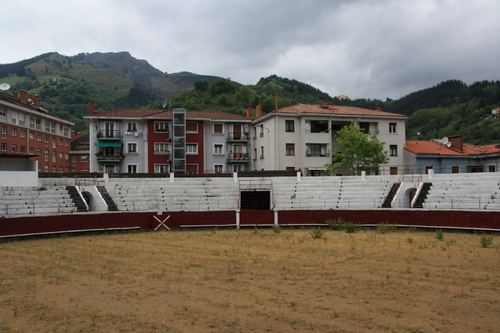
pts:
pixel 335 110
pixel 149 113
pixel 437 148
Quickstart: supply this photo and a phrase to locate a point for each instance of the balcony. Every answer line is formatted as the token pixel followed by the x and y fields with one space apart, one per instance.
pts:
pixel 237 137
pixel 238 158
pixel 109 135
pixel 112 158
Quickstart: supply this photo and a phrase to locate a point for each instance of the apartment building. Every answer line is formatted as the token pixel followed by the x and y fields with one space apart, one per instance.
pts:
pixel 303 137
pixel 164 141
pixel 27 129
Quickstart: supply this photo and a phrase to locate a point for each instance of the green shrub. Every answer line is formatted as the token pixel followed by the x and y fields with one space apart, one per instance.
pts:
pixel 384 228
pixel 409 240
pixel 350 228
pixel 276 228
pixel 486 241
pixel 439 235
pixel 316 233
pixel 336 224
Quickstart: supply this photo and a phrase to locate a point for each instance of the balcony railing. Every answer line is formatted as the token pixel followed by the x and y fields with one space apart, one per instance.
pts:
pixel 238 136
pixel 238 157
pixel 110 158
pixel 109 135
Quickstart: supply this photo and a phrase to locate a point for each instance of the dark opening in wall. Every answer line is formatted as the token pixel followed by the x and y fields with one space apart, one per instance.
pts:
pixel 259 200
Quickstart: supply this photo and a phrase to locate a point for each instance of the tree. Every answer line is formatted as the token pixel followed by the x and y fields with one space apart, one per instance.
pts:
pixel 201 85
pixel 360 151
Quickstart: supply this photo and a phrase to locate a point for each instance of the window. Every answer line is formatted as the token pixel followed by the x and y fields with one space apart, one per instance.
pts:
pixel 60 156
pixel 364 127
pixel 162 168
pixel 46 156
pixel 63 130
pixel 318 126
pixel 161 126
pixel 162 148
pixel 17 118
pixel 32 151
pixel 261 152
pixel 39 137
pixel 393 170
pixel 316 150
pixel 54 156
pixel 218 129
pixel 46 168
pixel 132 148
pixel 392 128
pixel 4 132
pixel 66 157
pixel 23 149
pixel 35 123
pixel 73 161
pixel 455 169
pixel 14 131
pixel 192 127
pixel 46 141
pixel 191 168
pixel 132 168
pixel 54 168
pixel 32 135
pixel 39 152
pixel 50 127
pixel 290 149
pixel 61 142
pixel 218 149
pixel 491 168
pixel 131 127
pixel 14 148
pixel 3 148
pixel 22 133
pixel 393 150
pixel 84 159
pixel 290 125
pixel 54 143
pixel 218 168
pixel 3 113
pixel 192 148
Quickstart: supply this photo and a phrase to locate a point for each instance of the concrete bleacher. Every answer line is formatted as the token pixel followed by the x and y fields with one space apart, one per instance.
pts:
pixel 452 191
pixel 187 194
pixel 32 200
pixel 464 192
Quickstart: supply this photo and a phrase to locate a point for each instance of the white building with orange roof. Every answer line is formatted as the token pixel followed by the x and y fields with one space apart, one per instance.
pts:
pixel 303 136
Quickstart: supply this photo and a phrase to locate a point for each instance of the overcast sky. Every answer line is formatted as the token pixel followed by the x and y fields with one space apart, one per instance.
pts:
pixel 359 48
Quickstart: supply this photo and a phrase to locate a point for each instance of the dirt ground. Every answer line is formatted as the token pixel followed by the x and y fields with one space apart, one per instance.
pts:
pixel 251 281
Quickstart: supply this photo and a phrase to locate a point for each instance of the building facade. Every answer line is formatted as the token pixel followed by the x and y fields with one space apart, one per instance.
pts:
pixel 303 137
pixel 164 141
pixel 451 155
pixel 28 129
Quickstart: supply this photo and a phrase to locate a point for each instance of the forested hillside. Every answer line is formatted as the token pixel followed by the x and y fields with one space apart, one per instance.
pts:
pixel 118 80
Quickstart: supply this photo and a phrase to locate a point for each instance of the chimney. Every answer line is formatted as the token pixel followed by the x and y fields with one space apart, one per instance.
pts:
pixel 249 111
pixel 321 102
pixel 93 110
pixel 276 102
pixel 37 101
pixel 16 94
pixel 23 97
pixel 259 111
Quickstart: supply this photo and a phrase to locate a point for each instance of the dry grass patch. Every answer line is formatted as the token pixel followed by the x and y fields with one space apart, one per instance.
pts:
pixel 251 281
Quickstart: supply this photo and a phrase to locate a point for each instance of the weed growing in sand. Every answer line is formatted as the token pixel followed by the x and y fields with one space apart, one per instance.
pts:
pixel 316 233
pixel 350 228
pixel 276 229
pixel 486 241
pixel 384 228
pixel 336 224
pixel 439 235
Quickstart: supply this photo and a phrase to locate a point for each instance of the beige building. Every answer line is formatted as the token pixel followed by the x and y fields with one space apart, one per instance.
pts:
pixel 303 137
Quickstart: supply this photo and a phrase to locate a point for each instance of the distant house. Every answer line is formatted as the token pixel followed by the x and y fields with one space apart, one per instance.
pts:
pixel 303 136
pixel 451 155
pixel 79 154
pixel 164 141
pixel 29 130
